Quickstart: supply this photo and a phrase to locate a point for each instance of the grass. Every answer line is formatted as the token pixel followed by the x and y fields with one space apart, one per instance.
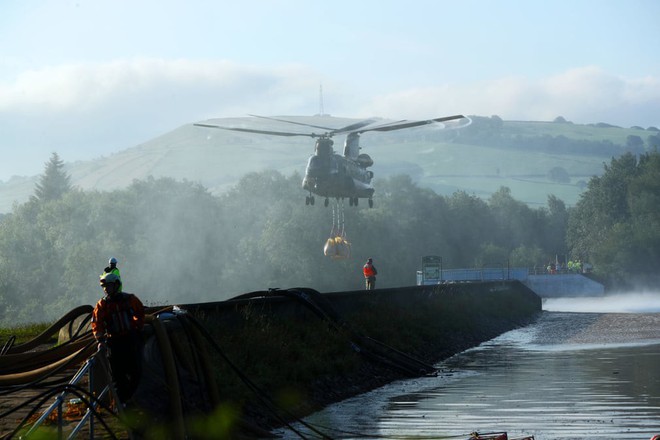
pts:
pixel 617 135
pixel 446 168
pixel 23 333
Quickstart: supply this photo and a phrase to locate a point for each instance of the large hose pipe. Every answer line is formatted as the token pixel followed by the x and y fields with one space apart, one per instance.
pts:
pixel 45 336
pixel 26 377
pixel 176 409
pixel 204 360
pixel 15 363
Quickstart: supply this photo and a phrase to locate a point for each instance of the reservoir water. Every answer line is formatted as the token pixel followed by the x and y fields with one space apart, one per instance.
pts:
pixel 588 368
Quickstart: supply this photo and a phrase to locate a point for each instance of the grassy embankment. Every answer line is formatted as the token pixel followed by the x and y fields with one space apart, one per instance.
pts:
pixel 481 169
pixel 24 333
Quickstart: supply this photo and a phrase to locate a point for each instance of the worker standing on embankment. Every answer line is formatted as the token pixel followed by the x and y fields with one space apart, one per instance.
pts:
pixel 370 273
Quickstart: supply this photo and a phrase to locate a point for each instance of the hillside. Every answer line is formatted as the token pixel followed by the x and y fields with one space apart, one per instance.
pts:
pixel 479 159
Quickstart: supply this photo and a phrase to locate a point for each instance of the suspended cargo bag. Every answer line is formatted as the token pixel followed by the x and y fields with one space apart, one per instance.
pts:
pixel 337 248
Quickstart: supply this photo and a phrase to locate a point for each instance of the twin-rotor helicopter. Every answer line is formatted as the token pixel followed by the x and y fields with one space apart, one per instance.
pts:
pixel 331 175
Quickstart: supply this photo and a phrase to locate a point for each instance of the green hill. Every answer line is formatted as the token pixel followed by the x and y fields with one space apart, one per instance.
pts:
pixel 478 159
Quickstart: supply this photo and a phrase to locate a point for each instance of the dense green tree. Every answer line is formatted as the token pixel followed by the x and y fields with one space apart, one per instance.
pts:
pixel 176 243
pixel 616 223
pixel 471 226
pixel 171 236
pixel 532 257
pixel 513 221
pixel 405 218
pixel 603 204
pixel 54 182
pixel 653 142
pixel 492 255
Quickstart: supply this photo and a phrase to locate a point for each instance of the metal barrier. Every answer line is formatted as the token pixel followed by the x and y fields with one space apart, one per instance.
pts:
pixel 475 274
pixel 86 369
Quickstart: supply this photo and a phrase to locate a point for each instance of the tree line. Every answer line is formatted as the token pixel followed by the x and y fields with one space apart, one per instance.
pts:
pixel 177 243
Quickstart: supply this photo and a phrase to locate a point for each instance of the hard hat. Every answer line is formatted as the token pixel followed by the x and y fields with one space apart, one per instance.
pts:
pixel 113 260
pixel 109 278
pixel 369 260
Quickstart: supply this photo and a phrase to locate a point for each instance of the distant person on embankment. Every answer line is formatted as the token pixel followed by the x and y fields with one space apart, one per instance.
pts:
pixel 112 268
pixel 370 273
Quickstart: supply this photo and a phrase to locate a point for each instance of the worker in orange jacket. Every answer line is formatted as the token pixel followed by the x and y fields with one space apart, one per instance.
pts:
pixel 117 322
pixel 370 273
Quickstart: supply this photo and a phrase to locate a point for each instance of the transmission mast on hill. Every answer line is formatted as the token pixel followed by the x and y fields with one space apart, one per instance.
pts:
pixel 321 110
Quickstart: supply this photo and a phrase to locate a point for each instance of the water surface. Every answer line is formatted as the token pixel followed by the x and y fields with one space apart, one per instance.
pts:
pixel 571 375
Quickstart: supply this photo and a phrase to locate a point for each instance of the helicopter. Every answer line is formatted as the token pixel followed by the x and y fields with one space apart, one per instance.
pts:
pixel 331 175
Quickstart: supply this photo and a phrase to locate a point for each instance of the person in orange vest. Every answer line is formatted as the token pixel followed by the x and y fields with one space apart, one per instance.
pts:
pixel 117 322
pixel 370 273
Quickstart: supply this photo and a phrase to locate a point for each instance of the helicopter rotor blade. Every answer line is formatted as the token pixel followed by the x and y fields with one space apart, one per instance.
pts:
pixel 409 124
pixel 250 130
pixel 354 127
pixel 331 131
pixel 292 122
pixel 357 127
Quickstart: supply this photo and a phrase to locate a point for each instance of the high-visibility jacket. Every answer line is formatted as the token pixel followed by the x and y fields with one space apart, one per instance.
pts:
pixel 369 270
pixel 117 315
pixel 114 270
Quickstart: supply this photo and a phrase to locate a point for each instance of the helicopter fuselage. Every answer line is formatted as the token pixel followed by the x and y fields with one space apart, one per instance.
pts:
pixel 330 175
pixel 335 176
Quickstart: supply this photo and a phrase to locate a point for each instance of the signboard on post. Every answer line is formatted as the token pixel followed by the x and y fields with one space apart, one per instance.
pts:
pixel 431 269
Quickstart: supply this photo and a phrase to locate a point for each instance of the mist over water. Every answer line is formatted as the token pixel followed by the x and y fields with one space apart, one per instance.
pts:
pixel 587 368
pixel 633 302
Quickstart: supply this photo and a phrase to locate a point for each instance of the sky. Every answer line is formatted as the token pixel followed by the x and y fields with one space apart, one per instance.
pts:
pixel 89 78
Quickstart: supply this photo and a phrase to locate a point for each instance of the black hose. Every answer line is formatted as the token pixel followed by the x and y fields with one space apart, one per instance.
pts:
pixel 79 333
pixel 264 398
pixel 364 344
pixel 202 363
pixel 7 346
pixel 318 305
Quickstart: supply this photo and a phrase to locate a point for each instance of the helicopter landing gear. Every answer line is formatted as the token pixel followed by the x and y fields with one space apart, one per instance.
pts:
pixel 309 200
pixel 371 203
pixel 326 202
pixel 352 201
